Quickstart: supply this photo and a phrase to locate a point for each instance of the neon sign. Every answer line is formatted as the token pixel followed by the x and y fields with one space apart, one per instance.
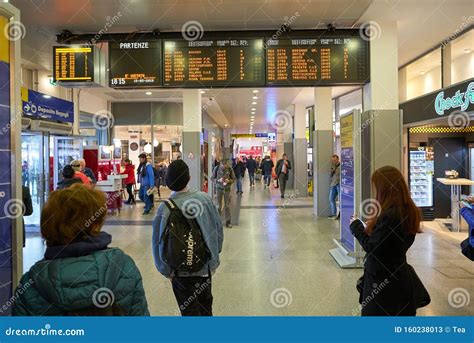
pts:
pixel 458 100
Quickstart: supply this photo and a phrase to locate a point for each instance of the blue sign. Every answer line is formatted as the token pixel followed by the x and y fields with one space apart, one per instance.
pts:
pixel 347 196
pixel 42 106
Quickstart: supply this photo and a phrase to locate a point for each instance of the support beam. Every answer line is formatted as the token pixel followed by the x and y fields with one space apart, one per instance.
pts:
pixel 192 129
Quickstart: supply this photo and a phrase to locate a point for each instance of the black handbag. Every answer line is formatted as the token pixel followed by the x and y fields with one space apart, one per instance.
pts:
pixel 421 297
pixel 467 249
pixel 360 287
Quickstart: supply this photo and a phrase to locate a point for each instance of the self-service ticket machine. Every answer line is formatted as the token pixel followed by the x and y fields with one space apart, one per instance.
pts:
pixel 369 140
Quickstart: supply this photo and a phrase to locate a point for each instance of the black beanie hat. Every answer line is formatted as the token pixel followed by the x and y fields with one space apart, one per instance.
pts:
pixel 68 172
pixel 177 175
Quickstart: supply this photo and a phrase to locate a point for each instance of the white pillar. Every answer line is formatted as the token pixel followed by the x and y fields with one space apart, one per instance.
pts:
pixel 381 93
pixel 192 128
pixel 300 151
pixel 381 119
pixel 322 149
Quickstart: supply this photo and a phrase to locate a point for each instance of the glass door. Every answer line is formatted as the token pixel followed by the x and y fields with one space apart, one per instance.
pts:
pixel 34 173
pixel 64 150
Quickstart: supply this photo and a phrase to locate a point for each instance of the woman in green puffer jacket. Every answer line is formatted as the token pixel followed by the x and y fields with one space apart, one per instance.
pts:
pixel 79 274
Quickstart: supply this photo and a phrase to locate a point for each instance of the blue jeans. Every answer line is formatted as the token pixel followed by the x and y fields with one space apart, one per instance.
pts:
pixel 267 178
pixel 333 193
pixel 239 184
pixel 252 178
pixel 145 198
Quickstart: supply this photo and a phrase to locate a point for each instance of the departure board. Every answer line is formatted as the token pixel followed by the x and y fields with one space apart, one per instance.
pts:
pixel 309 62
pixel 203 63
pixel 134 64
pixel 73 64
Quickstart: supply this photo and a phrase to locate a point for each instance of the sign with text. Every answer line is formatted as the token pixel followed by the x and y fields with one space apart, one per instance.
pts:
pixel 73 64
pixel 41 106
pixel 207 63
pixel 347 181
pixel 318 60
pixel 134 64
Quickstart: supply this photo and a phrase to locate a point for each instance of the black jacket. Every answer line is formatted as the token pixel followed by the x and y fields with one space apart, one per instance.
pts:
pixel 387 287
pixel 239 169
pixel 279 167
pixel 251 165
pixel 267 166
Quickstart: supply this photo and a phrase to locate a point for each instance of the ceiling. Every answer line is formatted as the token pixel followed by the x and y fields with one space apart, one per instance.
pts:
pixel 422 25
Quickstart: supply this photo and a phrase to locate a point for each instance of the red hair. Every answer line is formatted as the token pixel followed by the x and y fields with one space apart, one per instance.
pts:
pixel 392 192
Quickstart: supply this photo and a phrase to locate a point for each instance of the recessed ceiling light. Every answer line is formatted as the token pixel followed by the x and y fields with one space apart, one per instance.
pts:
pixel 253 109
pixel 252 117
pixel 255 97
pixel 422 72
pixel 467 50
pixel 148 93
pixel 254 102
pixel 255 91
pixel 202 92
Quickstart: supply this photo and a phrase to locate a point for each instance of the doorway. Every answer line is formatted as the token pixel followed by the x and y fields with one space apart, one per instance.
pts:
pixel 35 173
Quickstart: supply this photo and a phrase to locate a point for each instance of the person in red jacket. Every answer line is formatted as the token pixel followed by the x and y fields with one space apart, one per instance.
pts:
pixel 130 180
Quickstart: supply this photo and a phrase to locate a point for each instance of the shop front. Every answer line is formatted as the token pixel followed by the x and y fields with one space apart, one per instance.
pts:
pixel 439 150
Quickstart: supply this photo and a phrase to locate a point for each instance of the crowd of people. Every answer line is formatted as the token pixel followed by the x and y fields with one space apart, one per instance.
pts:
pixel 186 245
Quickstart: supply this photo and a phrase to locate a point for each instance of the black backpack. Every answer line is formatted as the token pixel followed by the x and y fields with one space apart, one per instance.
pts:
pixel 184 246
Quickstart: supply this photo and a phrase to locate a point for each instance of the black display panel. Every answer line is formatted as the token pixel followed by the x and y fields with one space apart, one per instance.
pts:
pixel 73 64
pixel 134 64
pixel 316 61
pixel 208 63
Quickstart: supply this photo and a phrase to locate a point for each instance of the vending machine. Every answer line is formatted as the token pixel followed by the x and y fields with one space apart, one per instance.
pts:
pixel 421 161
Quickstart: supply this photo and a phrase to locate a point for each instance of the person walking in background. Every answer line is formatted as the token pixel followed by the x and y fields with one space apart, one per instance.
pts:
pixel 185 283
pixel 146 178
pixel 27 209
pixel 130 180
pixel 158 176
pixel 282 171
pixel 87 171
pixel 78 262
pixel 334 188
pixel 267 168
pixel 251 167
pixel 239 171
pixel 224 177
pixel 386 238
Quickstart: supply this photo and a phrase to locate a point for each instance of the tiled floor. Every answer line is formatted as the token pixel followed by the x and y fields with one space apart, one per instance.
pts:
pixel 276 262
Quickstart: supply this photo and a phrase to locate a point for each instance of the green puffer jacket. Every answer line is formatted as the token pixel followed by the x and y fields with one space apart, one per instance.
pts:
pixel 60 286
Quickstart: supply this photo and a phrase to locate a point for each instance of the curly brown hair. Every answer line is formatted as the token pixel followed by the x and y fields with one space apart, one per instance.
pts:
pixel 72 213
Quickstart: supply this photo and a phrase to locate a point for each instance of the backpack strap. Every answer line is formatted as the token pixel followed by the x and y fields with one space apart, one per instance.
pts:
pixel 170 204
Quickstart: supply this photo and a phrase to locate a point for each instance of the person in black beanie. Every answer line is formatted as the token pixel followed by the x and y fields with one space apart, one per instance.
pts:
pixel 199 206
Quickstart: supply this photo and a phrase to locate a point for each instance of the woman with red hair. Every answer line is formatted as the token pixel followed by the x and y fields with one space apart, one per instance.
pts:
pixel 390 286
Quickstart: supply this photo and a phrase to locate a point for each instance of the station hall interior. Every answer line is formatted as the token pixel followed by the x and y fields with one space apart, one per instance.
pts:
pixel 396 88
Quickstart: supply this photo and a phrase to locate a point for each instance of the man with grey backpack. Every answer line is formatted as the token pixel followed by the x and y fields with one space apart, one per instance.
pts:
pixel 187 240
